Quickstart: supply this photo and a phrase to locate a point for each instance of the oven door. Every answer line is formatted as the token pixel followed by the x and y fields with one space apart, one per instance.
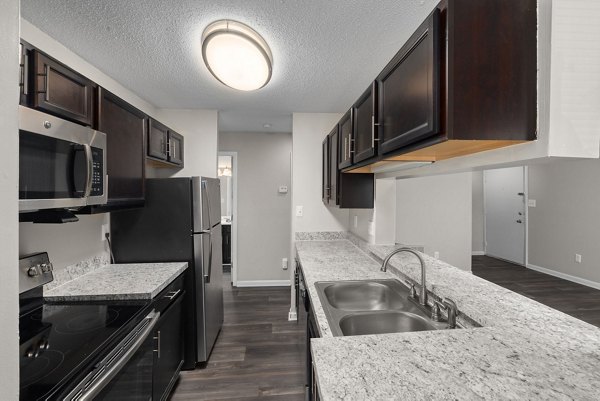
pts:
pixel 61 164
pixel 126 372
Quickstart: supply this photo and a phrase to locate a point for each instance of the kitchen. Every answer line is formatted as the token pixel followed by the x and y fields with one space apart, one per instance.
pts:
pixel 562 132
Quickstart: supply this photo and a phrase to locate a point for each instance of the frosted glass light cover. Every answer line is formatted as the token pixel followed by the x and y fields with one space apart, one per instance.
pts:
pixel 236 55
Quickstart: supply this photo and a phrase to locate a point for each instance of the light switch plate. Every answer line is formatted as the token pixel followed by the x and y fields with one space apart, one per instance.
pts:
pixel 299 211
pixel 531 202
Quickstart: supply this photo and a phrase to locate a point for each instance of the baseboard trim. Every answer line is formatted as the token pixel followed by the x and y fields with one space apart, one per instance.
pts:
pixel 565 276
pixel 478 253
pixel 264 283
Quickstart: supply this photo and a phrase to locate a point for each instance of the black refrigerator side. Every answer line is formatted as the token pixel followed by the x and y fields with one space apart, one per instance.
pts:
pixel 162 232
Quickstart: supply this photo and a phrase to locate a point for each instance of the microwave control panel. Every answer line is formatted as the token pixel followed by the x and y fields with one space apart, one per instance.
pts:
pixel 97 172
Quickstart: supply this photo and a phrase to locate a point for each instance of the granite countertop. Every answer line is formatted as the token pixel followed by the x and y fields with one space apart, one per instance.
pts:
pixel 524 351
pixel 136 281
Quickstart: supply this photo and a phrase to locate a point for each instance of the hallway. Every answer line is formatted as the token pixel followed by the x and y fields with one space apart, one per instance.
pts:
pixel 571 298
pixel 259 354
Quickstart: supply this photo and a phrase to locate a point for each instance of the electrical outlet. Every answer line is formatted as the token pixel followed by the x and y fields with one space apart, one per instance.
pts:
pixel 284 263
pixel 436 255
pixel 299 211
pixel 577 258
pixel 283 189
pixel 105 230
pixel 355 221
pixel 531 202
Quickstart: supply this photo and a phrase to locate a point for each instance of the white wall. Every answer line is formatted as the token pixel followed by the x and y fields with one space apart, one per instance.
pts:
pixel 200 131
pixel 66 244
pixel 263 215
pixel 478 217
pixel 9 173
pixel 308 132
pixel 566 219
pixel 377 225
pixel 436 212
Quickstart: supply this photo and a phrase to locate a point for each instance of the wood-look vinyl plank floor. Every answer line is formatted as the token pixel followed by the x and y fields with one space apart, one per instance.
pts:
pixel 571 298
pixel 259 354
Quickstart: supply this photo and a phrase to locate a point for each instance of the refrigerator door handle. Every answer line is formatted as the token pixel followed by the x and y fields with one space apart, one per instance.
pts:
pixel 210 250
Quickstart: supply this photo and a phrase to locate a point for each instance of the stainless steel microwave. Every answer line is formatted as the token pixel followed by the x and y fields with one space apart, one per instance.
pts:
pixel 61 164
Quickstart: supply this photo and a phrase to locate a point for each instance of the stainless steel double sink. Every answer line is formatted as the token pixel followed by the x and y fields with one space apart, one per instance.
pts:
pixel 373 307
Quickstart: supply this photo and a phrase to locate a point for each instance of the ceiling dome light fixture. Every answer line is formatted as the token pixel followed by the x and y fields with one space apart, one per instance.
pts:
pixel 236 55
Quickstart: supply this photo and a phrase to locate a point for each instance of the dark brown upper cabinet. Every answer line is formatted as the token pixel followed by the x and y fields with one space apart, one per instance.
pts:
pixel 158 139
pixel 325 188
pixel 465 82
pixel 346 191
pixel 175 148
pixel 409 90
pixel 165 146
pixel 345 140
pixel 364 117
pixel 333 166
pixel 59 90
pixel 125 128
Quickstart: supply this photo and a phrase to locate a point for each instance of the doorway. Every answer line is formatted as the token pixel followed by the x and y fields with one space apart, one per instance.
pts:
pixel 505 214
pixel 227 174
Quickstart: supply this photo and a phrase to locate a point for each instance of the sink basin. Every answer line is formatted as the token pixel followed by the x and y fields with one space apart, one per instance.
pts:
pixel 373 307
pixel 383 322
pixel 362 296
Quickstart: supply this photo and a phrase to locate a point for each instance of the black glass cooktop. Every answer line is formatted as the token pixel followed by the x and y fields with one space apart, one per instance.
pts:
pixel 59 341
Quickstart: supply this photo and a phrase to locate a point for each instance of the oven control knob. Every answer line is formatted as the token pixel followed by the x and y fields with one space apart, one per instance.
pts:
pixel 47 124
pixel 33 271
pixel 43 344
pixel 30 353
pixel 46 267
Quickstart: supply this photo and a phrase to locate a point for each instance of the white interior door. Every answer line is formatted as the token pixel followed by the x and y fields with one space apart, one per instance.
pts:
pixel 504 193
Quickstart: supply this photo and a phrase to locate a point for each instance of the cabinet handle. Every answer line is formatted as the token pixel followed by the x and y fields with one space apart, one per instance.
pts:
pixel 172 294
pixel 168 148
pixel 351 147
pixel 157 338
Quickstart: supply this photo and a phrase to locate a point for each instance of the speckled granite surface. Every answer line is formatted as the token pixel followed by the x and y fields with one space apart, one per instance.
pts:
pixel 118 282
pixel 320 235
pixel 526 350
pixel 78 269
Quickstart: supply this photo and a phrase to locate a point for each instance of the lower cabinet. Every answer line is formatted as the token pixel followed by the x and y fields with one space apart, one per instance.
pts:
pixel 305 315
pixel 168 351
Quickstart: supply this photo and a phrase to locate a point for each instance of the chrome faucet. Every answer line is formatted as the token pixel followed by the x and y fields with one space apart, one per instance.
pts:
pixel 423 291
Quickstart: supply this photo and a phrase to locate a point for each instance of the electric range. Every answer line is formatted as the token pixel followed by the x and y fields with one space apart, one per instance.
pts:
pixel 60 343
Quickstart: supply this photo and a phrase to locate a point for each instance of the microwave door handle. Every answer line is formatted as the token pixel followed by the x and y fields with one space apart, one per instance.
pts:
pixel 90 167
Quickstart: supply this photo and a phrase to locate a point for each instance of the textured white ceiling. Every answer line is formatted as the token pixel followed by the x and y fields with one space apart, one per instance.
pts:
pixel 325 52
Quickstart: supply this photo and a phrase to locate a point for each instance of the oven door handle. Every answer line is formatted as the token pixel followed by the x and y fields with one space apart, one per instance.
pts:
pixel 106 373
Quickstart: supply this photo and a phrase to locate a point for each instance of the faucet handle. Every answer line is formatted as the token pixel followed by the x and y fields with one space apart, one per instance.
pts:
pixel 436 315
pixel 412 292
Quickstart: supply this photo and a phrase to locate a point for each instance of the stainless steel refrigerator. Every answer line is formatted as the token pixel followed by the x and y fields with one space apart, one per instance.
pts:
pixel 181 221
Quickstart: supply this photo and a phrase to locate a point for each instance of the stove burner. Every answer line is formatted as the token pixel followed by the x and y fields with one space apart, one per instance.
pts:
pixel 40 367
pixel 87 321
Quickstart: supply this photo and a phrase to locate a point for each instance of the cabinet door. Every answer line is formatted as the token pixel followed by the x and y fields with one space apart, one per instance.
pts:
pixel 345 139
pixel 125 129
pixel 61 91
pixel 409 90
pixel 175 149
pixel 24 76
pixel 334 171
pixel 168 356
pixel 325 189
pixel 364 118
pixel 158 136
